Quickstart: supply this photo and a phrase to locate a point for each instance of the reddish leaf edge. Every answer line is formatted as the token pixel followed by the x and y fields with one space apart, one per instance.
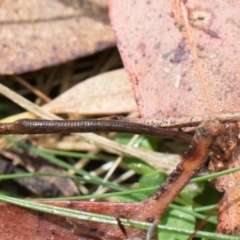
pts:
pixel 43 206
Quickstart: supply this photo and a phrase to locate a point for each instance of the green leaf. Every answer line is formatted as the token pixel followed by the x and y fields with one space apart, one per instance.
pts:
pixel 191 191
pixel 138 166
pixel 142 141
pixel 178 219
pixel 134 164
pixel 153 178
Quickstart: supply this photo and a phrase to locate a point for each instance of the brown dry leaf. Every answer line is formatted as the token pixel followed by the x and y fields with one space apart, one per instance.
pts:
pixel 49 186
pixel 182 59
pixel 108 93
pixel 229 210
pixel 23 162
pixel 35 225
pixel 36 34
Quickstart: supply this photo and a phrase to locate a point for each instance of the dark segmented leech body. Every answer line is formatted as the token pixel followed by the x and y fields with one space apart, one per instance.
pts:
pixel 28 126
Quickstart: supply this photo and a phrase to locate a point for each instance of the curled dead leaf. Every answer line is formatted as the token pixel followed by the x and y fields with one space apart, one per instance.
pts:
pixel 108 93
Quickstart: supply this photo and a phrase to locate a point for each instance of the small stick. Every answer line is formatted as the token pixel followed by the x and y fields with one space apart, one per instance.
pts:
pixel 193 159
pixel 186 121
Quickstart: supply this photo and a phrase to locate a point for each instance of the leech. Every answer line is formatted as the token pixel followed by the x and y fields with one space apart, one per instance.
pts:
pixel 28 126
